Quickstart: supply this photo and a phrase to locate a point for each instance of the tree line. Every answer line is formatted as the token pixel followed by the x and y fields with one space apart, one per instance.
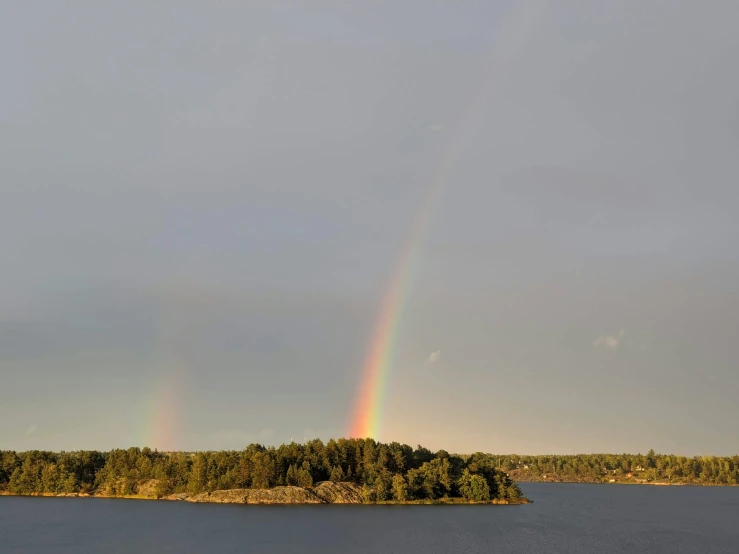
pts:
pixel 698 470
pixel 386 472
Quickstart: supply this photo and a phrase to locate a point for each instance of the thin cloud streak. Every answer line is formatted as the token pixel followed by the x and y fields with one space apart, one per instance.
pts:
pixel 609 341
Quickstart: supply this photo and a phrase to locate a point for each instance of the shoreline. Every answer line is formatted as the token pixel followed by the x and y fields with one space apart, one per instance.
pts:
pixel 193 500
pixel 627 483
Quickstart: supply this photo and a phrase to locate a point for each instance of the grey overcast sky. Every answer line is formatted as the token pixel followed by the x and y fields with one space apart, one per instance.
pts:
pixel 201 204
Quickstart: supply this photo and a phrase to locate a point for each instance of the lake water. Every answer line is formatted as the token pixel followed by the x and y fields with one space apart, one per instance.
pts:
pixel 568 518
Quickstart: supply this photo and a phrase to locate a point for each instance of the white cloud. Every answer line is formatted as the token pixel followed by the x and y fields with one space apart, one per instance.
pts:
pixel 31 430
pixel 434 357
pixel 436 128
pixel 609 341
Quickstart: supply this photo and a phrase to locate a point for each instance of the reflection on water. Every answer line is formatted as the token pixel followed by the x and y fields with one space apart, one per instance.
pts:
pixel 564 518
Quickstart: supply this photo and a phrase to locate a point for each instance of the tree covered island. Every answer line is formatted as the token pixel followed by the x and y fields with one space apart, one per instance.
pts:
pixel 350 471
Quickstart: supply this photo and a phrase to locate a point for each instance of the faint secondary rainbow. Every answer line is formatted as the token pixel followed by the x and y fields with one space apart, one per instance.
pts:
pixel 368 407
pixel 162 427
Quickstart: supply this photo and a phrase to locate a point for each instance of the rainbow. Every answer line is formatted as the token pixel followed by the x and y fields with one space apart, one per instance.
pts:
pixel 163 424
pixel 368 406
pixel 164 430
pixel 369 403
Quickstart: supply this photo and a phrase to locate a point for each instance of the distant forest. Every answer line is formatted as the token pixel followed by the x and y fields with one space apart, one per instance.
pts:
pixel 386 472
pixel 638 468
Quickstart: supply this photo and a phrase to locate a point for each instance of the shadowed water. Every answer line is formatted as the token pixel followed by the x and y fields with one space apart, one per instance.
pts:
pixel 568 518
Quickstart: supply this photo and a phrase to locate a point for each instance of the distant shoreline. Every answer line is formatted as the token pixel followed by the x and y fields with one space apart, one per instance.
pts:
pixel 628 483
pixel 632 469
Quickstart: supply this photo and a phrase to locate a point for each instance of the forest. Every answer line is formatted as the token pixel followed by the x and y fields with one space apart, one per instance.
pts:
pixel 636 468
pixel 386 472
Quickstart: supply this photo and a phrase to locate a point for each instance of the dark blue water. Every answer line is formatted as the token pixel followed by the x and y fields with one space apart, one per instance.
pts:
pixel 564 518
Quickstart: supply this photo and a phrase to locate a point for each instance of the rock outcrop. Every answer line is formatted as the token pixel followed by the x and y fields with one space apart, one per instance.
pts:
pixel 147 489
pixel 323 493
pixel 339 493
pixel 176 496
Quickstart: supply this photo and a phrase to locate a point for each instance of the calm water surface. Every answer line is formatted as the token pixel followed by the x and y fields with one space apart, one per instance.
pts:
pixel 567 518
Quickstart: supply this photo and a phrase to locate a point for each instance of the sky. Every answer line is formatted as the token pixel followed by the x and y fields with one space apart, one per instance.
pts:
pixel 202 206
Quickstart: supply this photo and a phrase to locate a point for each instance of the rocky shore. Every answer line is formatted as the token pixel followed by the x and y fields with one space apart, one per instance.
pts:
pixel 326 492
pixel 323 493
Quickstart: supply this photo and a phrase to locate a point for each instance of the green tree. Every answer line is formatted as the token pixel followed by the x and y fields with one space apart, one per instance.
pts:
pixel 368 494
pixel 474 487
pixel 400 488
pixel 337 474
pixel 383 486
